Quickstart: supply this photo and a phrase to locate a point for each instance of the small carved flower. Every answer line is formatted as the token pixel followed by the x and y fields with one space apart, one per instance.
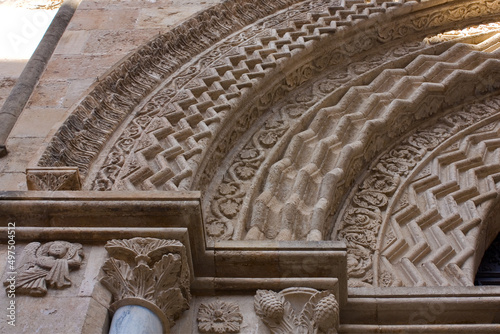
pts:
pixel 227 189
pixel 268 139
pixel 229 208
pixel 386 279
pixel 274 123
pixel 245 172
pixel 219 317
pixel 249 154
pixel 328 86
pixel 216 229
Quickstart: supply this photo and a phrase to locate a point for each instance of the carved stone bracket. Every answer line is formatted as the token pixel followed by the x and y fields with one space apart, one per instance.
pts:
pixel 285 312
pixel 41 266
pixel 150 272
pixel 53 178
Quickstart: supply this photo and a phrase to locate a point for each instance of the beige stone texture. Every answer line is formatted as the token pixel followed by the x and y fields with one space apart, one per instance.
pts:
pixel 338 149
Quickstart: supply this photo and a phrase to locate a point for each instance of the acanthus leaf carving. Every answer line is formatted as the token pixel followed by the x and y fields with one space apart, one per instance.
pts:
pixel 151 269
pixel 53 178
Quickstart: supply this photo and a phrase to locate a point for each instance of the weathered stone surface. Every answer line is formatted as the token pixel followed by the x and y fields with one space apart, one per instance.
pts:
pixel 330 141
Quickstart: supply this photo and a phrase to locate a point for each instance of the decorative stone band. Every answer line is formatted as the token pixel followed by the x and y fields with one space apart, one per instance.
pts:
pixel 93 120
pixel 407 218
pixel 188 128
pixel 149 272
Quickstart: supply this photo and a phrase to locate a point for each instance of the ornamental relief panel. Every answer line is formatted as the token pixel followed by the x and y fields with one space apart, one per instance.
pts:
pixel 229 197
pixel 44 266
pixel 204 87
pixel 408 207
pixel 177 141
pixel 283 200
pixel 282 313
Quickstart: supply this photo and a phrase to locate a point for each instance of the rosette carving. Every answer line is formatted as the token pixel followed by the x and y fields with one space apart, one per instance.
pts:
pixel 219 317
pixel 152 271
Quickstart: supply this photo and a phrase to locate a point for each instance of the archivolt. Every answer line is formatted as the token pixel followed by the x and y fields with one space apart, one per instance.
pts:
pixel 276 121
pixel 182 132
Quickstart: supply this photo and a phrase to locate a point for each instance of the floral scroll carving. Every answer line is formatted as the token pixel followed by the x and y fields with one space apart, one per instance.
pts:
pixel 65 178
pixel 46 266
pixel 319 315
pixel 154 271
pixel 219 317
pixel 361 222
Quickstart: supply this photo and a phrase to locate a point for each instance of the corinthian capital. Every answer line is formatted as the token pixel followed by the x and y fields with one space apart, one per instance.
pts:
pixel 150 272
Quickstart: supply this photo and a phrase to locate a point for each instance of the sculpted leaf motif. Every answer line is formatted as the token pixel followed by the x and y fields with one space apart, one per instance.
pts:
pixel 166 271
pixel 164 281
pixel 142 282
pixel 172 303
pixel 117 278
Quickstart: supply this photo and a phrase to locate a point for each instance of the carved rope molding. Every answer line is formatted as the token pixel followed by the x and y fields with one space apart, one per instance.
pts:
pixel 150 272
pixel 76 145
pixel 449 170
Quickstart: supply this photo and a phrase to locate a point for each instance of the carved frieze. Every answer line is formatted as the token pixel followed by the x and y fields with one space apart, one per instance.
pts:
pixel 48 265
pixel 53 178
pixel 151 272
pixel 188 120
pixel 469 31
pixel 219 317
pixel 319 315
pixel 362 220
pixel 81 137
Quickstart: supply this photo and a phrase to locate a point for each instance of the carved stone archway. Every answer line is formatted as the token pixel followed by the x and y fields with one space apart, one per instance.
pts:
pixel 280 114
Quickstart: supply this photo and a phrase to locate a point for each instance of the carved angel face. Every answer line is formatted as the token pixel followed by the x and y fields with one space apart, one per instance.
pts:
pixel 57 250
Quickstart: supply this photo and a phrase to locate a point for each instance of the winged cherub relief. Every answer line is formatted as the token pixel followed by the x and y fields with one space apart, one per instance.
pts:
pixel 47 265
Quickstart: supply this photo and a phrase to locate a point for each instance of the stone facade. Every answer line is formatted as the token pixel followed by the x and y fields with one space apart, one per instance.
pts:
pixel 246 166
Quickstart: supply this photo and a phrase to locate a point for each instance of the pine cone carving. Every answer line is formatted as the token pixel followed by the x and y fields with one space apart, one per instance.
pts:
pixel 326 313
pixel 269 304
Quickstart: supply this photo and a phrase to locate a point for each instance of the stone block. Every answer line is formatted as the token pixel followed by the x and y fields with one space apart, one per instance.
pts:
pixel 72 42
pixel 97 19
pixel 49 315
pixel 37 122
pixel 118 42
pixel 13 181
pixel 21 151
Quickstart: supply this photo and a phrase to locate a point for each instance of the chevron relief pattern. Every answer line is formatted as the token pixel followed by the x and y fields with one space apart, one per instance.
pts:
pixel 194 114
pixel 306 184
pixel 414 218
pixel 212 106
pixel 436 234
